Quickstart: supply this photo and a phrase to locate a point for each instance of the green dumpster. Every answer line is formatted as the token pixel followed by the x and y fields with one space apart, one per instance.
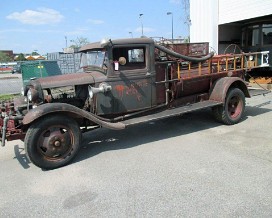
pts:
pixel 37 69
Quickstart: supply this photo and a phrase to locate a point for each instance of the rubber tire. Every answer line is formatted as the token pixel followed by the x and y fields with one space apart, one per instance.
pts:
pixel 221 112
pixel 34 133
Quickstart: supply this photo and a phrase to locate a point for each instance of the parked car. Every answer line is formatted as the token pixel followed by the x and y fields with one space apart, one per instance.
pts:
pixel 16 69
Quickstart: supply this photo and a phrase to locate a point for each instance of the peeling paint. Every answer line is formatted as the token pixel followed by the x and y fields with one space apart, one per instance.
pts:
pixel 131 90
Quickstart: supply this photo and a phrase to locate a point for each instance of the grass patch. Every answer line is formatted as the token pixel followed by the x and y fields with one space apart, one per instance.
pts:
pixel 4 97
pixel 5 72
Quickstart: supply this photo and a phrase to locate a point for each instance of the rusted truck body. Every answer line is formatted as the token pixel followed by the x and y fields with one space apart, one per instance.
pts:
pixel 122 83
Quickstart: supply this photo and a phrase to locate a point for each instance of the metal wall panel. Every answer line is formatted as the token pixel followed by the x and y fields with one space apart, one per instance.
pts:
pixel 68 62
pixel 204 22
pixel 233 10
pixel 206 15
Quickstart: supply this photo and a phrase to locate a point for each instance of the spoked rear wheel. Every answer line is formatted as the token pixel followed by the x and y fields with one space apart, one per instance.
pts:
pixel 233 109
pixel 233 49
pixel 52 142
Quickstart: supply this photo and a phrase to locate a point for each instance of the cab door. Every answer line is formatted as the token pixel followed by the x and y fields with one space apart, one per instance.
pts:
pixel 131 80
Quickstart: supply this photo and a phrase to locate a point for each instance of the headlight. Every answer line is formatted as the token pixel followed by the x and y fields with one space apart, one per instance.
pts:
pixel 29 95
pixel 32 95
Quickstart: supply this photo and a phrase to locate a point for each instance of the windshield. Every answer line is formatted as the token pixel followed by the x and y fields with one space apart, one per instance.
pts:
pixel 93 58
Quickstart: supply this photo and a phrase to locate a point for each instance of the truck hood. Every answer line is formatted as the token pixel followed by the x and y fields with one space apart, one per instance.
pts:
pixel 70 79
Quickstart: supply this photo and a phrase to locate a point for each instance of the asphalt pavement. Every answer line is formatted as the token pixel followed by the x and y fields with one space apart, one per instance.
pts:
pixel 10 83
pixel 187 166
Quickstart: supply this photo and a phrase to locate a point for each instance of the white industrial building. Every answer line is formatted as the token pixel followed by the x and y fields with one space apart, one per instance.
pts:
pixel 247 23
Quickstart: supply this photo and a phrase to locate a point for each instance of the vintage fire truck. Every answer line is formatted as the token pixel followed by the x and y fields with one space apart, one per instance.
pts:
pixel 121 83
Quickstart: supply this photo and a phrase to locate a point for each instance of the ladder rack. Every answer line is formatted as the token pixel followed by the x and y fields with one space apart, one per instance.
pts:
pixel 225 63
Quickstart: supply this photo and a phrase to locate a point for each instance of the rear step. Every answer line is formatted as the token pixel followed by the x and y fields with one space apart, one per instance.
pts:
pixel 172 112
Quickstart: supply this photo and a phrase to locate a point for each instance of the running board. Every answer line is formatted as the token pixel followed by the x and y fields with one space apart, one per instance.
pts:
pixel 172 112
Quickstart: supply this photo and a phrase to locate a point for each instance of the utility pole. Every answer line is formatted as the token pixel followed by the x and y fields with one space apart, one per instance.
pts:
pixel 170 13
pixel 66 41
pixel 140 17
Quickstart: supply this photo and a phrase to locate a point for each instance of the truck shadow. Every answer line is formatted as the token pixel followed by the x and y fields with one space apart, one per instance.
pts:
pixel 21 157
pixel 257 109
pixel 102 140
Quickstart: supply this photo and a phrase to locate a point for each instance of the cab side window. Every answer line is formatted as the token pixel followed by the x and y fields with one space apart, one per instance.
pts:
pixel 130 58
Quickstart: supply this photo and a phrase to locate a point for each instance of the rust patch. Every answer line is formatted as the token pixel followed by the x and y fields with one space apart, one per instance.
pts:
pixel 131 90
pixel 120 89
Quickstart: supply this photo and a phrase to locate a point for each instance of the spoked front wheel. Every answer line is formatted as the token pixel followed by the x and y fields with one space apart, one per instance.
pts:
pixel 52 142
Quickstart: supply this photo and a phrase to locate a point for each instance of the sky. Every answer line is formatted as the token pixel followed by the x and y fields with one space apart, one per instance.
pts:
pixel 44 25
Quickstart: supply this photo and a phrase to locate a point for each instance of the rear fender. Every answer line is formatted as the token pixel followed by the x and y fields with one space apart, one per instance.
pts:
pixel 221 87
pixel 71 110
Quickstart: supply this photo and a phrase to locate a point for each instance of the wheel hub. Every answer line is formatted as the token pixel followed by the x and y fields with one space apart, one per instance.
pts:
pixel 234 107
pixel 55 143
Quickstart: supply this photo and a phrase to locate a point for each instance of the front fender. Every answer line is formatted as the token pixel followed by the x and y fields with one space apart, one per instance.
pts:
pixel 221 87
pixel 50 108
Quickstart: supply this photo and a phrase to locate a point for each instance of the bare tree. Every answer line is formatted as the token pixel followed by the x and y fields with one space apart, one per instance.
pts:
pixel 78 42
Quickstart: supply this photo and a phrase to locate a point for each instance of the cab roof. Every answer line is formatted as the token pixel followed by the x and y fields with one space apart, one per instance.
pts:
pixel 97 45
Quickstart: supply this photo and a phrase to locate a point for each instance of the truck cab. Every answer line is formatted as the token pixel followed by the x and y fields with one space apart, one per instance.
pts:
pixel 130 72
